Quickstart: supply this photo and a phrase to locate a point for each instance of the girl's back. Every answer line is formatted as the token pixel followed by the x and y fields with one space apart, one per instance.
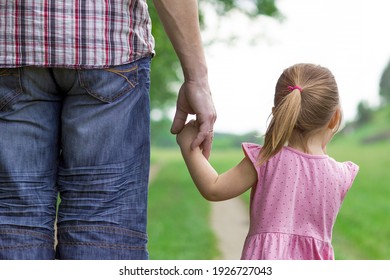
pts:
pixel 294 204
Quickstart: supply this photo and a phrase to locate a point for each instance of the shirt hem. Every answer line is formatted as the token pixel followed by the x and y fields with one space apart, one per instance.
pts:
pixel 76 66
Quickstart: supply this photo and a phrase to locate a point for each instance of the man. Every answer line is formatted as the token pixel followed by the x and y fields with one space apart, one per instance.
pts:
pixel 74 119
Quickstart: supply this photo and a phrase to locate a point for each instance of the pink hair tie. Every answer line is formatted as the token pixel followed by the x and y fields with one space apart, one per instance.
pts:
pixel 295 87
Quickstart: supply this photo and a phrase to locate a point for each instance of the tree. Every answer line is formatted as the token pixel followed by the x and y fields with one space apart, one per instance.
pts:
pixel 384 86
pixel 364 113
pixel 252 8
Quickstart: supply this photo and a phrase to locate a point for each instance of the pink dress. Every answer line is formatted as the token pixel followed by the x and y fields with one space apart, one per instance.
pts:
pixel 294 205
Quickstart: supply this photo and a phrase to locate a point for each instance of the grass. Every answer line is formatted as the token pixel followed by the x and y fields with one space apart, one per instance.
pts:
pixel 362 229
pixel 178 225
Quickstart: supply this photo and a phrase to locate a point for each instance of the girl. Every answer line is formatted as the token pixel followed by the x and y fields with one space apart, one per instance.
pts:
pixel 297 189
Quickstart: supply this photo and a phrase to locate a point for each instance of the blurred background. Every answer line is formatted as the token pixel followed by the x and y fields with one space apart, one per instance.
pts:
pixel 248 43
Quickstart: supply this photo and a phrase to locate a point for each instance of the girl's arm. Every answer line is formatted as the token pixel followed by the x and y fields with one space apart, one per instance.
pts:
pixel 210 184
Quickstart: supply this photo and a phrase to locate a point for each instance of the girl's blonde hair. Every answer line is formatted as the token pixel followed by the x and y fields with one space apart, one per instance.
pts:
pixel 306 98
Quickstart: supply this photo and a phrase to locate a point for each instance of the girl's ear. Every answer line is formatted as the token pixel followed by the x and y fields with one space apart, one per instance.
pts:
pixel 335 120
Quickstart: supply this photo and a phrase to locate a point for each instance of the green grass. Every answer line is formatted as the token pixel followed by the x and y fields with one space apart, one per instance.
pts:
pixel 179 216
pixel 178 224
pixel 362 229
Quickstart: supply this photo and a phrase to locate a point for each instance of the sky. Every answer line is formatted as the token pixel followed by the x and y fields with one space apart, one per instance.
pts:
pixel 349 37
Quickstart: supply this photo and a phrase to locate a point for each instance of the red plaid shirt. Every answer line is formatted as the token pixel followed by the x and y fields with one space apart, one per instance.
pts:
pixel 73 33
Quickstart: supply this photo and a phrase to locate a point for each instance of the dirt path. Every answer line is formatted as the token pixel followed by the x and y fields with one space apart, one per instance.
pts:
pixel 154 168
pixel 230 222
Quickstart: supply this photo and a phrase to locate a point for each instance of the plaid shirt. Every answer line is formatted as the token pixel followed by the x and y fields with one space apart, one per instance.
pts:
pixel 73 33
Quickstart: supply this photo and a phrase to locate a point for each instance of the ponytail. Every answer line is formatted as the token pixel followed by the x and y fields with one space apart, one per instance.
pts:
pixel 306 99
pixel 284 119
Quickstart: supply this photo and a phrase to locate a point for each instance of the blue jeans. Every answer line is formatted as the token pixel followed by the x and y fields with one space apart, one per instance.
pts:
pixel 82 134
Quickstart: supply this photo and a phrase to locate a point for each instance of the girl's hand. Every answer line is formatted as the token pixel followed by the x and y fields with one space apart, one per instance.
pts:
pixel 187 135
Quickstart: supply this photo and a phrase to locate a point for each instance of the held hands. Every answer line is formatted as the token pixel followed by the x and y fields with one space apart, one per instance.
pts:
pixel 195 98
pixel 187 135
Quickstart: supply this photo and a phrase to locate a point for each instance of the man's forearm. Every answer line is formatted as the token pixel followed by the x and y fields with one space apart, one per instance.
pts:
pixel 181 22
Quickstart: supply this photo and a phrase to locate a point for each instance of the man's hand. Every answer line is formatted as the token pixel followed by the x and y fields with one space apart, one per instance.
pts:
pixel 196 99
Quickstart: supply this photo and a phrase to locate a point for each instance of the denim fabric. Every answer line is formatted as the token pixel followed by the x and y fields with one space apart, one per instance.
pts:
pixel 82 134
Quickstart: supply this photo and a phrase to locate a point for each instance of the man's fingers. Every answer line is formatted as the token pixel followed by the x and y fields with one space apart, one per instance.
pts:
pixel 178 121
pixel 206 147
pixel 203 140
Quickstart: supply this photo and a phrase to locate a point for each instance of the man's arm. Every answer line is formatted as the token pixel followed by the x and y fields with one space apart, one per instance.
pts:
pixel 181 23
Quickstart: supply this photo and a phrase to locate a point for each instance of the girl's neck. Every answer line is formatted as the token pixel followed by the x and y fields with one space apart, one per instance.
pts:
pixel 312 149
pixel 315 144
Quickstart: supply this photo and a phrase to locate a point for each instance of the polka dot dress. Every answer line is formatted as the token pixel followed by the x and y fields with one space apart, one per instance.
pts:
pixel 294 204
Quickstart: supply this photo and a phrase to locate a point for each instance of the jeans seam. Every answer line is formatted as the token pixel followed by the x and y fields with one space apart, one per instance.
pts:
pixel 100 245
pixel 7 72
pixel 8 98
pixel 104 229
pixel 38 245
pixel 119 73
pixel 16 92
pixel 24 232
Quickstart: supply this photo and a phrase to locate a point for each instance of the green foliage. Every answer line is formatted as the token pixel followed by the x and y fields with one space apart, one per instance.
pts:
pixel 384 90
pixel 234 141
pixel 252 8
pixel 364 113
pixel 165 66
pixel 377 129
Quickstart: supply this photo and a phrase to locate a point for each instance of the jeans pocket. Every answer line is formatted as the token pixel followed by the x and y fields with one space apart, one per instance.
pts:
pixel 109 84
pixel 10 87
